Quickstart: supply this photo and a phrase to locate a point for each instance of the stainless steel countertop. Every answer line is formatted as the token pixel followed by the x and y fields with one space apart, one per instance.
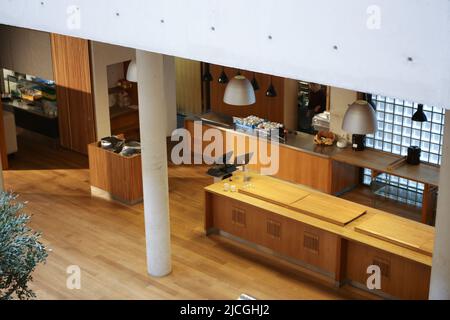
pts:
pixel 296 140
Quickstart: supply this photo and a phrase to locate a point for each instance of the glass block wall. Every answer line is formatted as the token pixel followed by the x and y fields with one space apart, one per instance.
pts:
pixel 395 133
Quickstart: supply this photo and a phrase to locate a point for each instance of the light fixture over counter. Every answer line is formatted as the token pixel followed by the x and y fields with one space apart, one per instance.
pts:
pixel 132 71
pixel 207 77
pixel 271 92
pixel 223 77
pixel 359 120
pixel 419 115
pixel 255 83
pixel 239 92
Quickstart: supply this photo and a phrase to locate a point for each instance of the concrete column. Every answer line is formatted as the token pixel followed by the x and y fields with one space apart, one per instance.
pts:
pixel 170 91
pixel 440 271
pixel 152 119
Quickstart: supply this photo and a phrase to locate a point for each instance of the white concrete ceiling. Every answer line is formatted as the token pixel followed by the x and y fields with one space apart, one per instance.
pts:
pixel 398 48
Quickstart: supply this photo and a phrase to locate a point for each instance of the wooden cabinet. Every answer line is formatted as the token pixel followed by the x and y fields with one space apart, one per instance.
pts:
pixel 339 252
pixel 72 74
pixel 400 277
pixel 120 177
pixel 288 237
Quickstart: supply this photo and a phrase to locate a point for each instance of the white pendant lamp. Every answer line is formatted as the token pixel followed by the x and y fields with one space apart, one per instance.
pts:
pixel 239 92
pixel 360 118
pixel 132 71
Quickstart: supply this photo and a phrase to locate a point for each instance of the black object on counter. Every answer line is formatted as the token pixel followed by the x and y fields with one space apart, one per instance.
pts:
pixel 413 155
pixel 222 168
pixel 358 142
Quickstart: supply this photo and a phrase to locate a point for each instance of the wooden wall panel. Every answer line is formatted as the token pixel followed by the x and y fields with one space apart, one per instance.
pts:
pixel 189 86
pixel 72 74
pixel 344 176
pixel 401 278
pixel 310 170
pixel 265 107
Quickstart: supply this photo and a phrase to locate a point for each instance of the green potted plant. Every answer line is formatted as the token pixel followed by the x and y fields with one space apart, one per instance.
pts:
pixel 20 249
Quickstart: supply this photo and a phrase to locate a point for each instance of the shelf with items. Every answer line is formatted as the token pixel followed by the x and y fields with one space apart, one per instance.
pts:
pixel 40 108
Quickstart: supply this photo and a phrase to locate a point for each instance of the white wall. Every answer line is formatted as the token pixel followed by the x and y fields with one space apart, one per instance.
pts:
pixel 339 101
pixel 303 34
pixel 103 55
pixel 115 72
pixel 26 51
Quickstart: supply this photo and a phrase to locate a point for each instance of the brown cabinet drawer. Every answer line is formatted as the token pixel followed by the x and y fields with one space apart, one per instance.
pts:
pixel 285 236
pixel 400 277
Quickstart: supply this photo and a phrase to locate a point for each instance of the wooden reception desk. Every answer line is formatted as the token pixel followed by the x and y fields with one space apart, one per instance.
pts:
pixel 328 235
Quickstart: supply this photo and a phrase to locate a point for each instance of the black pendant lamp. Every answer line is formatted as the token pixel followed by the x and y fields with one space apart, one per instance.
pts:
pixel 207 77
pixel 255 83
pixel 271 93
pixel 223 77
pixel 419 115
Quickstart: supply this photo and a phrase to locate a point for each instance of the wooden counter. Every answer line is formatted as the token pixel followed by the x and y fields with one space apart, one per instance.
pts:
pixel 299 161
pixel 115 176
pixel 381 162
pixel 341 252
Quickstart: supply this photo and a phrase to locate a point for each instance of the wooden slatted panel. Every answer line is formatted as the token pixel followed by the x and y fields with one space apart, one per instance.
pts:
pixel 311 242
pixel 238 217
pixel 274 229
pixel 72 73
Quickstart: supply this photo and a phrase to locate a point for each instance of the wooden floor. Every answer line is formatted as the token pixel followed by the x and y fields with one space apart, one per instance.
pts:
pixel 106 240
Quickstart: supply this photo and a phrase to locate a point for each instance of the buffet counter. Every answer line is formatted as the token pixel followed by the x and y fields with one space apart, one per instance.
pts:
pixel 315 169
pixel 296 140
pixel 328 235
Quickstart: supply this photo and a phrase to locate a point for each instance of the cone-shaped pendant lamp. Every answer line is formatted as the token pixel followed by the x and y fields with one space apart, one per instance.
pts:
pixel 359 119
pixel 271 92
pixel 223 77
pixel 255 83
pixel 419 115
pixel 207 77
pixel 239 92
pixel 132 71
